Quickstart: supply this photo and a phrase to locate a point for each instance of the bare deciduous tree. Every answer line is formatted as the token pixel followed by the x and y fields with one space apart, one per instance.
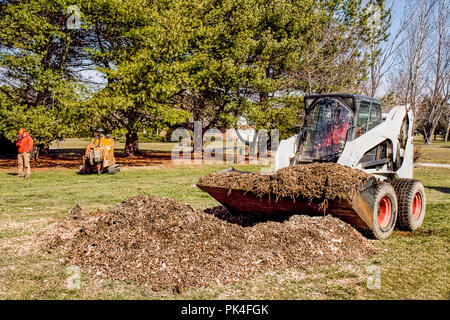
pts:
pixel 438 90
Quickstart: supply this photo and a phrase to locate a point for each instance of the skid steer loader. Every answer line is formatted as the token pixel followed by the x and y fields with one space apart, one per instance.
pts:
pixel 350 130
pixel 99 156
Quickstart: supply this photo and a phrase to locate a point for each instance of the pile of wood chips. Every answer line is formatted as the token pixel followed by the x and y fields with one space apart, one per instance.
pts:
pixel 168 245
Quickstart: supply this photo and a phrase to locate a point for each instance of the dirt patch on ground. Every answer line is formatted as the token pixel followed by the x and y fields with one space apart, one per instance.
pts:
pixel 166 244
pixel 74 160
pixel 315 181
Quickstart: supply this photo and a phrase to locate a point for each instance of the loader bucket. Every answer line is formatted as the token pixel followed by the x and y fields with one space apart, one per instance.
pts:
pixel 358 213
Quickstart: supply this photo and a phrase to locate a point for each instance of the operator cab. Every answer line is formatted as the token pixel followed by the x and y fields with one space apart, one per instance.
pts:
pixel 331 121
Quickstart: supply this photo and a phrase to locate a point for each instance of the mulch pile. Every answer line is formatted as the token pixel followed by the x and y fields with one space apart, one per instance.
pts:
pixel 166 244
pixel 315 181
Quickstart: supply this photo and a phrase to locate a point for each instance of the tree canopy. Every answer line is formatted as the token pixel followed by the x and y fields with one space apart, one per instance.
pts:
pixel 39 60
pixel 164 62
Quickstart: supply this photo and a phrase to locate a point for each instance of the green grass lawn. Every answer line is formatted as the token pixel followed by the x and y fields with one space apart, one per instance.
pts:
pixel 413 265
pixel 437 152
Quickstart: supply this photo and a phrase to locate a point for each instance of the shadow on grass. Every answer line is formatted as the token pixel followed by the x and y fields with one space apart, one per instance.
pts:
pixel 441 189
pixel 415 233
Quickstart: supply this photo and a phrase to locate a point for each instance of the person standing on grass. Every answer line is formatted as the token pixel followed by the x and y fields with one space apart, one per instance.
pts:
pixel 24 146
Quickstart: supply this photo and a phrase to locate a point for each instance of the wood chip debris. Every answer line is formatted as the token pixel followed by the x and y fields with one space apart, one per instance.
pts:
pixel 166 244
pixel 314 181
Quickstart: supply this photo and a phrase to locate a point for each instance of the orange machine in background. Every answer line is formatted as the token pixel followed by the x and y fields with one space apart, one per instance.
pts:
pixel 99 156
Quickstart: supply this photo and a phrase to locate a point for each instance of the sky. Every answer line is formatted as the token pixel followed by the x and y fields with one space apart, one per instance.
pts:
pixel 397 12
pixel 397 8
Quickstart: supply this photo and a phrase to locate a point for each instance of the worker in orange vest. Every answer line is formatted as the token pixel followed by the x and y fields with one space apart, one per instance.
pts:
pixel 24 146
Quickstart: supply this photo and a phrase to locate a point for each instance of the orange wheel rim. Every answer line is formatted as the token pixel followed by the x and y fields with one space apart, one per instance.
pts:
pixel 417 206
pixel 385 212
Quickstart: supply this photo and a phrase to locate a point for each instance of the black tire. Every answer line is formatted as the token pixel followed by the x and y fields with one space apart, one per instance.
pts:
pixel 82 170
pixel 382 198
pixel 411 203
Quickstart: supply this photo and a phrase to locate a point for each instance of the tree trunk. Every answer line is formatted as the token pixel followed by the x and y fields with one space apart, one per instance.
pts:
pixel 35 152
pixel 430 132
pixel 131 144
pixel 424 133
pixel 38 149
pixel 446 132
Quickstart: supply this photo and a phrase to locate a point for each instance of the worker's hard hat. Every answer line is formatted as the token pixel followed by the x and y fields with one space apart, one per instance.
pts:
pixel 22 131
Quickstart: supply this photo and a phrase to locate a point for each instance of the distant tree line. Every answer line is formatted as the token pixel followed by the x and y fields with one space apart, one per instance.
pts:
pixel 418 63
pixel 136 65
